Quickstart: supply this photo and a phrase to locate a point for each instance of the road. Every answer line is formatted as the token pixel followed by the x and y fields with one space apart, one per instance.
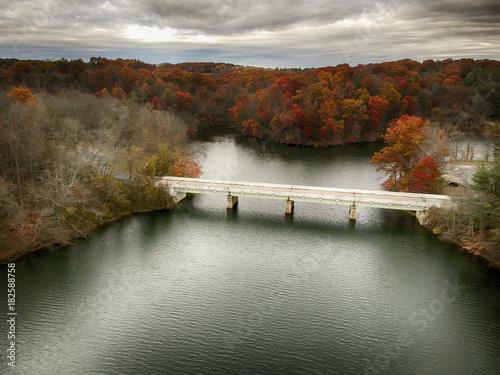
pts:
pixel 394 200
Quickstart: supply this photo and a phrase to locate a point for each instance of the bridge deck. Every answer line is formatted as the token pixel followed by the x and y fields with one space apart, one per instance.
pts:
pixel 355 197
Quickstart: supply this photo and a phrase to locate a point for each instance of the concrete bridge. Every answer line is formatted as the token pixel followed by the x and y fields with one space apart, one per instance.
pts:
pixel 179 187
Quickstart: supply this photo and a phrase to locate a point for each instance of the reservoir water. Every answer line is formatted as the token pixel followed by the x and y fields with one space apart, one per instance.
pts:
pixel 203 290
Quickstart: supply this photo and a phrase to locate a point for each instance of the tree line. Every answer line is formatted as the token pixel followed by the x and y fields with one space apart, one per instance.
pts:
pixel 322 107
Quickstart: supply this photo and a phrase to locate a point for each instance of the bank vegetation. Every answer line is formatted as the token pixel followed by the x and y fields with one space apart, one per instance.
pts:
pixel 414 159
pixel 60 153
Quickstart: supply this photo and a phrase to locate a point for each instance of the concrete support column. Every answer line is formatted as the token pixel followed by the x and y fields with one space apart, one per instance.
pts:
pixel 352 212
pixel 421 217
pixel 289 207
pixel 232 201
pixel 177 197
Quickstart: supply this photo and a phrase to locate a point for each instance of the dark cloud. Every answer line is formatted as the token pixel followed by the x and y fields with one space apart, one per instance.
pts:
pixel 483 11
pixel 258 32
pixel 235 16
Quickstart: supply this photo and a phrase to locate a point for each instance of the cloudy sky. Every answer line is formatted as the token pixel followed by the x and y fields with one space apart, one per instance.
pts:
pixel 264 33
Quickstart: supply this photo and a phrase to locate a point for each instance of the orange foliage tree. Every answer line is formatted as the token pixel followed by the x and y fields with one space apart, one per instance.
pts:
pixel 184 99
pixel 251 127
pixel 397 160
pixel 23 95
pixel 119 93
pixel 185 166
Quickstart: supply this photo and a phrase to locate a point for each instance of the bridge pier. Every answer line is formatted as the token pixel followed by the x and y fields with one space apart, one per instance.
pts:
pixel 289 207
pixel 421 217
pixel 232 201
pixel 177 197
pixel 352 212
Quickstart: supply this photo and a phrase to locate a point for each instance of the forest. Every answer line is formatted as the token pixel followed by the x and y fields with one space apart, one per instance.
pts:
pixel 59 155
pixel 68 127
pixel 319 107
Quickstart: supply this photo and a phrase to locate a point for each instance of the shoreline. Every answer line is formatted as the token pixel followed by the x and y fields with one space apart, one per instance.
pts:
pixel 54 246
pixel 490 262
pixel 57 246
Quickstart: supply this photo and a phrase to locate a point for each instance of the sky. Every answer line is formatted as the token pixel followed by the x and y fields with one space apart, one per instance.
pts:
pixel 265 33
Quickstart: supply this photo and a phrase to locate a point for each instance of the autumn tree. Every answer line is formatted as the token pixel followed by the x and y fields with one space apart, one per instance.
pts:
pixel 328 111
pixel 130 78
pixel 171 163
pixel 238 112
pixel 251 127
pixel 20 71
pixel 401 156
pixel 377 107
pixel 389 92
pixel 408 105
pixel 424 177
pixel 169 98
pixel 185 165
pixel 119 93
pixel 157 103
pixel 22 95
pixel 355 115
pixel 102 93
pixel 184 100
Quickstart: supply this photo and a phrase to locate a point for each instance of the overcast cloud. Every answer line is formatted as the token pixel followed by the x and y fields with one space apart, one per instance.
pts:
pixel 272 34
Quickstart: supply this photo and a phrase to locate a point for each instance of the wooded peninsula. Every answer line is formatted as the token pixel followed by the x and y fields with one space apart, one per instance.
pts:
pixel 68 127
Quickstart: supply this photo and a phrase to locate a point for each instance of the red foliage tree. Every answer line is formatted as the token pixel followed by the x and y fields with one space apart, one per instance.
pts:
pixel 157 103
pixel 377 107
pixel 402 86
pixel 424 177
pixel 288 85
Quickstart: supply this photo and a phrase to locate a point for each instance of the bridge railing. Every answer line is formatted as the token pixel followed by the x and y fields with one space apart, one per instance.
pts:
pixel 179 180
pixel 327 195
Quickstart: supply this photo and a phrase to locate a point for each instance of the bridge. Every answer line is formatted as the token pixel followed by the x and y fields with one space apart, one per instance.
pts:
pixel 180 187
